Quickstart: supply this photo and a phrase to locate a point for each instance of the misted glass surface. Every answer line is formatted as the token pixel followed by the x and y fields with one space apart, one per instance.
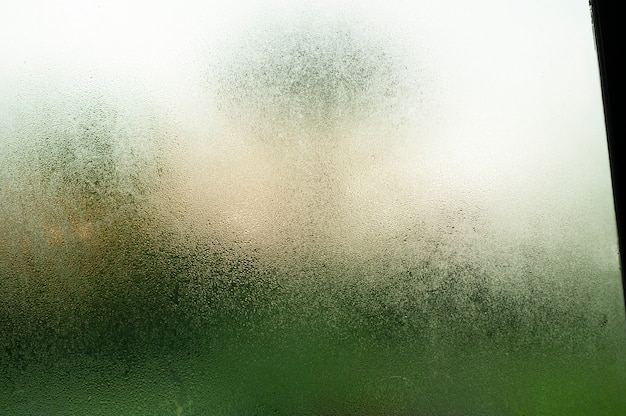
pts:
pixel 339 208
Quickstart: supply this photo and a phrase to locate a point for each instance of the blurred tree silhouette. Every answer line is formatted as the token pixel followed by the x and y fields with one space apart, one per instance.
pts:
pixel 95 258
pixel 83 200
pixel 311 75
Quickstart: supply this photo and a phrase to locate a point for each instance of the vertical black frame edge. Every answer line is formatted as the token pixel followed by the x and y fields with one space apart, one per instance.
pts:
pixel 608 26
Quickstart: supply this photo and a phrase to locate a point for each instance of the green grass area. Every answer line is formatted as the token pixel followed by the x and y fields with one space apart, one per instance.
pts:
pixel 296 370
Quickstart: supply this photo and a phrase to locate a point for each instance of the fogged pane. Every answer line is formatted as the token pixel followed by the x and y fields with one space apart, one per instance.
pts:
pixel 389 208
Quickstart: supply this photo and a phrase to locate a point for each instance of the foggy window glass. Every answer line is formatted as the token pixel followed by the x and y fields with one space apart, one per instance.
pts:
pixel 306 208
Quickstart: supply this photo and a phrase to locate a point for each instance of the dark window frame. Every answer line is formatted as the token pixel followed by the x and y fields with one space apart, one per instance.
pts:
pixel 608 24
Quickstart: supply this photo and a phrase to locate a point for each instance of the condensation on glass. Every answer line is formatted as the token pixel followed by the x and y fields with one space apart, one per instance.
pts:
pixel 250 208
